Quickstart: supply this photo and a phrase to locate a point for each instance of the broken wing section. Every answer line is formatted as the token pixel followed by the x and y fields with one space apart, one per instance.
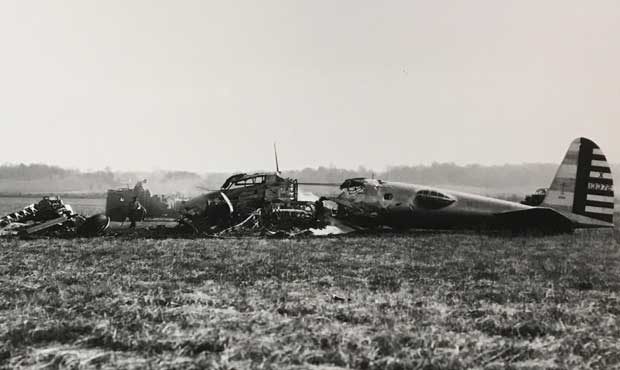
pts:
pixel 535 219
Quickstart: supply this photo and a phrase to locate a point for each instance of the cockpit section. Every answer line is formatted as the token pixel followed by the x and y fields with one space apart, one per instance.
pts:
pixel 261 187
pixel 432 199
pixel 359 185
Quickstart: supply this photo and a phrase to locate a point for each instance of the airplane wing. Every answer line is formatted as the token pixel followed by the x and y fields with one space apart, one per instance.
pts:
pixel 537 218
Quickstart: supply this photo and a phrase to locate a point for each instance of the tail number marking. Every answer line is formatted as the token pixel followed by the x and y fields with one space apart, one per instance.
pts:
pixel 600 187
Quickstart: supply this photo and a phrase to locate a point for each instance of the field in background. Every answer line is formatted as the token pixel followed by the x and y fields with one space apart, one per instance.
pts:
pixel 423 300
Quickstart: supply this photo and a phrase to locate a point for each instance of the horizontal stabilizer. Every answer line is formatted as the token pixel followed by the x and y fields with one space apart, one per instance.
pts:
pixel 540 219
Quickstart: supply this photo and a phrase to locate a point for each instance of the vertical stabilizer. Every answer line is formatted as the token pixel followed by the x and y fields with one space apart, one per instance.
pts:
pixel 583 185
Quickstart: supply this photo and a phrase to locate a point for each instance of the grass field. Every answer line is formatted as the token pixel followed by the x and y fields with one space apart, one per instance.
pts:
pixel 422 300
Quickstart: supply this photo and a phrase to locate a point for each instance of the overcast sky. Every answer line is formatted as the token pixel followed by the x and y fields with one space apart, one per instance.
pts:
pixel 209 85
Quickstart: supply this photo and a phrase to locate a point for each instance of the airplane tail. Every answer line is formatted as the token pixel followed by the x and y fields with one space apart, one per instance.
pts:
pixel 583 186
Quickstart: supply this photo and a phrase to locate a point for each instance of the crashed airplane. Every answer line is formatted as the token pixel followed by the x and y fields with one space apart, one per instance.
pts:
pixel 267 203
pixel 581 196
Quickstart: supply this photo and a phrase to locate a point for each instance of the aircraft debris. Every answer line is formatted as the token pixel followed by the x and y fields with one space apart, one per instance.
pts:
pixel 51 216
pixel 336 298
pixel 118 203
pixel 262 203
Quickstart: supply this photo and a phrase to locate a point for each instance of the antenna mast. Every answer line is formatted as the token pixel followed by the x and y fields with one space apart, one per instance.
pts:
pixel 275 152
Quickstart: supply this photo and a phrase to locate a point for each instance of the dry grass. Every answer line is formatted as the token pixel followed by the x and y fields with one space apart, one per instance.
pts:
pixel 393 302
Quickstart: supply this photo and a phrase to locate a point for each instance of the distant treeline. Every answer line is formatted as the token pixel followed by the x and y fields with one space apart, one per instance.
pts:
pixel 36 179
pixel 23 172
pixel 78 195
pixel 493 177
pixel 508 179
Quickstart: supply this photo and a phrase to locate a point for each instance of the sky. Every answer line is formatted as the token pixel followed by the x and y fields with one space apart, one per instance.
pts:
pixel 209 85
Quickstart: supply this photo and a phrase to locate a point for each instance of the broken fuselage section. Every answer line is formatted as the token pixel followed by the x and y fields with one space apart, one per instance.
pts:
pixel 580 196
pixel 374 204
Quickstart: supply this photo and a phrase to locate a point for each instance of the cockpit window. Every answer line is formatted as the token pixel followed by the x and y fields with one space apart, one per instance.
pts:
pixel 247 182
pixel 388 196
pixel 432 199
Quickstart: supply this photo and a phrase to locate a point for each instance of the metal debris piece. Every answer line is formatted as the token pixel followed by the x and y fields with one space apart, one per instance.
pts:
pixel 51 216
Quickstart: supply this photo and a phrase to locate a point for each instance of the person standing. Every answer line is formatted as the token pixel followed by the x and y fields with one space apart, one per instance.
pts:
pixel 137 212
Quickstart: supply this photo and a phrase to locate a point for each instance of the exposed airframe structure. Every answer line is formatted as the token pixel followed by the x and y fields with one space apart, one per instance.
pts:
pixel 251 201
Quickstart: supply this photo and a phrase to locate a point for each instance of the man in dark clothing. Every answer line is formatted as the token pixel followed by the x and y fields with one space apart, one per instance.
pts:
pixel 218 214
pixel 136 212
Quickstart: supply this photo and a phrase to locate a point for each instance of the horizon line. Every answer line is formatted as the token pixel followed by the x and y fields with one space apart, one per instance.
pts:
pixel 110 169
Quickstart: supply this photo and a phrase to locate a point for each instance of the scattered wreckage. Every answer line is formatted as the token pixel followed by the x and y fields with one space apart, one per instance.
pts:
pixel 52 217
pixel 266 203
pixel 256 204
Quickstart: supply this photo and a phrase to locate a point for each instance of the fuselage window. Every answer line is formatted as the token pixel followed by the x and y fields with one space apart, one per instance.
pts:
pixel 432 199
pixel 388 196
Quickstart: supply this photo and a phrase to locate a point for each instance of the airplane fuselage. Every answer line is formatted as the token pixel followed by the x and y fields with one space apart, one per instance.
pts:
pixel 402 205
